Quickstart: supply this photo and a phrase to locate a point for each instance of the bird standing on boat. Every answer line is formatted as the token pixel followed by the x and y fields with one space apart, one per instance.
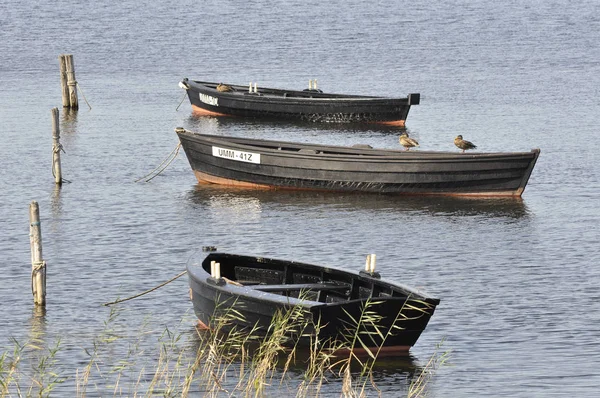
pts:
pixel 224 87
pixel 463 144
pixel 407 142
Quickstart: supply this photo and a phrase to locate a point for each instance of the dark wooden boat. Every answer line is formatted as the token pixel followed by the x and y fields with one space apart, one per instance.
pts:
pixel 286 165
pixel 312 105
pixel 335 299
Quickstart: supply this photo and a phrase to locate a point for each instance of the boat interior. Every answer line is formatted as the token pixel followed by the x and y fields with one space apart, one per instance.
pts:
pixel 305 281
pixel 274 92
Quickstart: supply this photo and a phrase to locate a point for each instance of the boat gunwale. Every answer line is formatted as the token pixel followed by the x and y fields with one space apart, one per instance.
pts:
pixel 271 147
pixel 201 276
pixel 268 93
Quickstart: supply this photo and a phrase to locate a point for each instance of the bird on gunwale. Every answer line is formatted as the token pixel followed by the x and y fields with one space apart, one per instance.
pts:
pixel 224 87
pixel 463 144
pixel 407 142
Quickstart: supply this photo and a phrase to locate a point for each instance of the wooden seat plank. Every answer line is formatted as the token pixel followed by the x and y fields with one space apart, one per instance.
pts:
pixel 299 286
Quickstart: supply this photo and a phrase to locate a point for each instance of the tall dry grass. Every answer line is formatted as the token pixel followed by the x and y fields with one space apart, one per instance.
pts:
pixel 227 360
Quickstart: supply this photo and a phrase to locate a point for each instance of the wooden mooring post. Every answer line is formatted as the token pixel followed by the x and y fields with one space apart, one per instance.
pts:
pixel 38 265
pixel 56 148
pixel 68 82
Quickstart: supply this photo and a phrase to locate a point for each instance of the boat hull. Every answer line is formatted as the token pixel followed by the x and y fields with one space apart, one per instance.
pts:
pixel 408 310
pixel 285 165
pixel 312 106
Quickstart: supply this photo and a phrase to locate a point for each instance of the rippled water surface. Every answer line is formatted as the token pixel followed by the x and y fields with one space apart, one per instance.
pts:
pixel 518 279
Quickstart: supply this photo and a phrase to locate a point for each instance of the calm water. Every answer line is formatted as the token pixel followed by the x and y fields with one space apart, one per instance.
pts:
pixel 518 280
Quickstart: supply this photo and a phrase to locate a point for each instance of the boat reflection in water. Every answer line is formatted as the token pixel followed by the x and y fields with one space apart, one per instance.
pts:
pixel 393 375
pixel 249 201
pixel 225 126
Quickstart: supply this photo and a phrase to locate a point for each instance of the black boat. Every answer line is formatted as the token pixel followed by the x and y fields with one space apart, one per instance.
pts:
pixel 285 165
pixel 258 287
pixel 217 99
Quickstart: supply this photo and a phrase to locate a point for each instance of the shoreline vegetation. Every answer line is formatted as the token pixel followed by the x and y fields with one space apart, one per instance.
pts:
pixel 219 362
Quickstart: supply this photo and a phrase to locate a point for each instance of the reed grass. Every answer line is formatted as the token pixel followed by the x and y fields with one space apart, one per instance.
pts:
pixel 418 386
pixel 9 369
pixel 43 364
pixel 233 358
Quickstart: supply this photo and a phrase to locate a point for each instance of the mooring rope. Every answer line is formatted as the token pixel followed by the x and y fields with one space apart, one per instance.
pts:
pixel 147 291
pixel 183 99
pixel 172 157
pixel 36 267
pixel 86 101
pixel 56 149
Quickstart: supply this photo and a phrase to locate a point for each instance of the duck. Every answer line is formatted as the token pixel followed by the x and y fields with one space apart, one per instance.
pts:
pixel 407 142
pixel 224 87
pixel 463 144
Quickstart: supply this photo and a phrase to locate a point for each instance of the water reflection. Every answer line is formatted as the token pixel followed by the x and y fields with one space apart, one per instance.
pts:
pixel 38 322
pixel 56 202
pixel 37 330
pixel 37 347
pixel 68 120
pixel 389 374
pixel 251 201
pixel 199 123
pixel 227 202
pixel 68 127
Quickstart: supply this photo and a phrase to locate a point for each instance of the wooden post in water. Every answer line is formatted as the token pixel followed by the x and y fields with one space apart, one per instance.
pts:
pixel 68 82
pixel 63 81
pixel 56 148
pixel 38 265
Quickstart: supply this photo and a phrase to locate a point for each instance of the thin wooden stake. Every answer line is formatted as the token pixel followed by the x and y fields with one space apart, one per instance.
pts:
pixel 38 265
pixel 56 148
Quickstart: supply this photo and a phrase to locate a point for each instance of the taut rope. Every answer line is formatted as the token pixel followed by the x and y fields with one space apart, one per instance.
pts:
pixel 169 158
pixel 146 292
pixel 86 101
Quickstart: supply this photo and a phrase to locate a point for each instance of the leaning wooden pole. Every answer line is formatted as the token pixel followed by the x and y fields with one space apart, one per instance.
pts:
pixel 56 148
pixel 38 265
pixel 68 81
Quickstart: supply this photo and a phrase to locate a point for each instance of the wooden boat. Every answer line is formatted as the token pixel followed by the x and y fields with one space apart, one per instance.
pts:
pixel 208 98
pixel 257 288
pixel 285 165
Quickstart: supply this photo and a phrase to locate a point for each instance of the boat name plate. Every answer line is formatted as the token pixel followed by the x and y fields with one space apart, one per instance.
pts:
pixel 209 99
pixel 239 156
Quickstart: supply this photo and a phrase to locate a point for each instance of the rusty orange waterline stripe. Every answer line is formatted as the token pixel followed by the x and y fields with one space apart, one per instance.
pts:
pixel 205 112
pixel 396 123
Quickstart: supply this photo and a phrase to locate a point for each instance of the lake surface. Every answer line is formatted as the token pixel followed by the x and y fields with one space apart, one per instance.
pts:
pixel 518 279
